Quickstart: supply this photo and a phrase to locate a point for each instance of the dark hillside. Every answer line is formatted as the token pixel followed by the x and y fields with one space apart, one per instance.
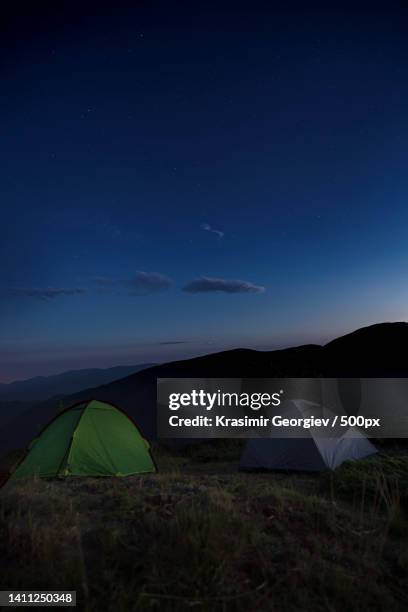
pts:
pixel 378 350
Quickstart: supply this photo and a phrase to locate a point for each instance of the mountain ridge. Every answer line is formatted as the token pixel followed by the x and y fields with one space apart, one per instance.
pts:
pixel 64 383
pixel 377 351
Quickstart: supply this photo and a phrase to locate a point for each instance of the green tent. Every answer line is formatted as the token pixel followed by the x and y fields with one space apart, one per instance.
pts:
pixel 88 439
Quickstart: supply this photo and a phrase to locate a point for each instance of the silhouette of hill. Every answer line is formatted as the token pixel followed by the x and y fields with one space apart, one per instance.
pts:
pixel 43 387
pixel 378 350
pixel 10 409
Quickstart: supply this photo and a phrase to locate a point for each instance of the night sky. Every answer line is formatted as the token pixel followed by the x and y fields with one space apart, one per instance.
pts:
pixel 178 179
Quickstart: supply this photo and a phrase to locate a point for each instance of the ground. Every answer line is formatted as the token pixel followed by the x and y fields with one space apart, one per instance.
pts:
pixel 201 535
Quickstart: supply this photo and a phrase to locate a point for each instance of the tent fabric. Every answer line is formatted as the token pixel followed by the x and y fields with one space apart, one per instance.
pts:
pixel 353 445
pixel 89 439
pixel 309 453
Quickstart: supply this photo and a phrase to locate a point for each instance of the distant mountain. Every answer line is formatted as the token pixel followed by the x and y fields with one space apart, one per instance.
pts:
pixel 44 387
pixel 379 350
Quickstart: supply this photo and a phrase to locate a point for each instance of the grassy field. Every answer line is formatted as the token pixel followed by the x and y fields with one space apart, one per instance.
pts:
pixel 201 535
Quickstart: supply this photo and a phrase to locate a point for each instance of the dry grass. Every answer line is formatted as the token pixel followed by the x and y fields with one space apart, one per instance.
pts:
pixel 200 535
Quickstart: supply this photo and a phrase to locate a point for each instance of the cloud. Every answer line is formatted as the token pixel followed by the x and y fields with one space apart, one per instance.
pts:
pixel 174 342
pixel 207 228
pixel 148 282
pixel 143 283
pixel 47 293
pixel 205 285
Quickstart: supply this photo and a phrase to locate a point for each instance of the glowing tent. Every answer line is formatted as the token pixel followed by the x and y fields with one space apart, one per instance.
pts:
pixel 88 439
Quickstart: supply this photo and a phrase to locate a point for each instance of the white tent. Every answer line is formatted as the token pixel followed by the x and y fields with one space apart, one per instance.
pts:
pixel 311 452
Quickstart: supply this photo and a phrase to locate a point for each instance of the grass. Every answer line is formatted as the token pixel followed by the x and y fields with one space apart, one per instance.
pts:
pixel 200 535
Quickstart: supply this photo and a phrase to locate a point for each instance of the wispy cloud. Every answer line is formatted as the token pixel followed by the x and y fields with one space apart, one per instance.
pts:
pixel 148 282
pixel 208 228
pixel 143 283
pixel 174 342
pixel 47 293
pixel 206 284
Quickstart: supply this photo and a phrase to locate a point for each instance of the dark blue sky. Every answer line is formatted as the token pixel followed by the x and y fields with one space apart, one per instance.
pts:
pixel 178 180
